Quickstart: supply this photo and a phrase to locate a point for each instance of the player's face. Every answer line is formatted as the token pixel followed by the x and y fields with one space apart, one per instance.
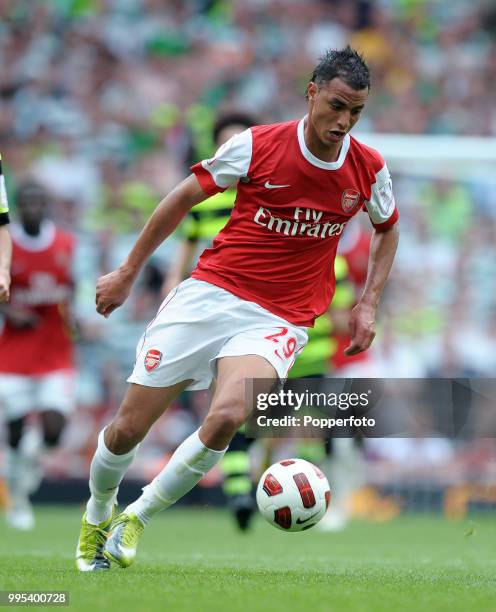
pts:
pixel 334 108
pixel 32 208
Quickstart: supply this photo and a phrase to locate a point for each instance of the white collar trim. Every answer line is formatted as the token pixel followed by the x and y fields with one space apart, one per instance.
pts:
pixel 34 243
pixel 315 161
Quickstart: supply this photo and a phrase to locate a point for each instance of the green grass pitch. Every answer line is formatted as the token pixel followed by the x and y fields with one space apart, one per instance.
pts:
pixel 194 560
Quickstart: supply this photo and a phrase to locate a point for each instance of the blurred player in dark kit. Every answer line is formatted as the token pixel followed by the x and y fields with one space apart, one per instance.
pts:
pixel 201 226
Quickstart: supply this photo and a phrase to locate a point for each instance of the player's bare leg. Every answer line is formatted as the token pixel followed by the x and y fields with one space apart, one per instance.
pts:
pixel 228 410
pixel 117 445
pixel 194 457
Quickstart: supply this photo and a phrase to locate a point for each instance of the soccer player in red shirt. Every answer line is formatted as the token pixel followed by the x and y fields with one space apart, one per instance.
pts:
pixel 245 310
pixel 5 241
pixel 36 353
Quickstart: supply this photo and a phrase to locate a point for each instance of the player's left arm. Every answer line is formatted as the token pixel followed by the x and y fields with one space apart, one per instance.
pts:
pixel 5 258
pixel 384 217
pixel 5 241
pixel 383 247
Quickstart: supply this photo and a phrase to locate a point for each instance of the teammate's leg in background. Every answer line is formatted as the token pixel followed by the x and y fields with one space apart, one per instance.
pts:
pixel 194 457
pixel 27 446
pixel 52 423
pixel 117 445
pixel 21 448
pixel 238 485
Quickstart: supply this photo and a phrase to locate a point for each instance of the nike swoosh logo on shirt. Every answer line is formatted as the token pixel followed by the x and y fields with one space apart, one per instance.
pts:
pixel 269 186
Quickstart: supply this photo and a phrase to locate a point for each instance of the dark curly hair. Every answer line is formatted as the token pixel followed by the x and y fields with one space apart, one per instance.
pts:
pixel 247 121
pixel 346 64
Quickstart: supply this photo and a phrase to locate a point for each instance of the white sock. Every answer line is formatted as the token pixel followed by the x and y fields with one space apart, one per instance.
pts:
pixel 13 471
pixel 106 473
pixel 187 466
pixel 23 469
pixel 32 450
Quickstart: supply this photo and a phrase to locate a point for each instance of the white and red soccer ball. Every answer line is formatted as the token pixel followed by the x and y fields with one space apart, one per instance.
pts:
pixel 293 495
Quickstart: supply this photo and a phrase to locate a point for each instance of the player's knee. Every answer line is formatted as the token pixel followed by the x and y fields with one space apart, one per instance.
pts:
pixel 226 418
pixel 122 435
pixel 53 426
pixel 51 437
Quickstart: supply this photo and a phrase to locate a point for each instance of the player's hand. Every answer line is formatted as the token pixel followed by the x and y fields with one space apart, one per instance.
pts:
pixel 362 329
pixel 112 290
pixel 4 286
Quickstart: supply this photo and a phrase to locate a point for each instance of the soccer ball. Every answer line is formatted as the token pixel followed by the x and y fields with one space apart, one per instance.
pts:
pixel 293 495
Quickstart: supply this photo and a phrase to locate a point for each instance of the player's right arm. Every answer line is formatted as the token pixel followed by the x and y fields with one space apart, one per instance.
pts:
pixel 113 289
pixel 230 163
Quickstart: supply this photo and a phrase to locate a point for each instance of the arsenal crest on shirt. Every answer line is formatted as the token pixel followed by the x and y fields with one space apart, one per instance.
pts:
pixel 349 199
pixel 152 359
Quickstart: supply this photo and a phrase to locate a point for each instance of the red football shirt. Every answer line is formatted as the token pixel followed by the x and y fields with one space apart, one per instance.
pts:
pixel 41 284
pixel 279 245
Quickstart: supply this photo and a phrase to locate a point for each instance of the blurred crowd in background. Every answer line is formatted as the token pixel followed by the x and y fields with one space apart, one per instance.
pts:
pixel 108 102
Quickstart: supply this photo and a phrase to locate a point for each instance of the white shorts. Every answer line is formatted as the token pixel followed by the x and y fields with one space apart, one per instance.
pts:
pixel 197 324
pixel 20 395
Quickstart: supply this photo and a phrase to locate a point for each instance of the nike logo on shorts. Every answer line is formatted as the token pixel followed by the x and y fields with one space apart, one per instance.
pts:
pixel 269 186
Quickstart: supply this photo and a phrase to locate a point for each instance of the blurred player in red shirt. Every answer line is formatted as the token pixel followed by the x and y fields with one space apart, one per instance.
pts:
pixel 36 352
pixel 245 311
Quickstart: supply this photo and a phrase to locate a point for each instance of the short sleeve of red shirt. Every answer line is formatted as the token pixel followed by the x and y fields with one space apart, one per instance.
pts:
pixel 382 207
pixel 230 163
